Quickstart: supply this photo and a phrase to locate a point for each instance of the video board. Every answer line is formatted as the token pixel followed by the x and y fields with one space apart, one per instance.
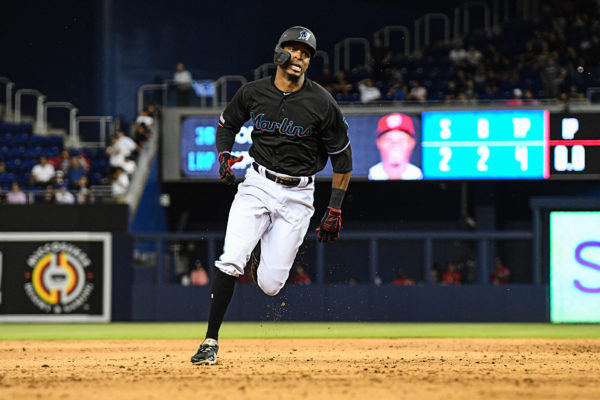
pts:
pixel 442 145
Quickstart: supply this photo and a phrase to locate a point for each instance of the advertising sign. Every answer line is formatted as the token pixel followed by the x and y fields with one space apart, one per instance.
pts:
pixel 574 266
pixel 55 276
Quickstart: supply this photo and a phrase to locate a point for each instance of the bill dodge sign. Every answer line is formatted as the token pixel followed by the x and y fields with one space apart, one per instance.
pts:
pixel 55 276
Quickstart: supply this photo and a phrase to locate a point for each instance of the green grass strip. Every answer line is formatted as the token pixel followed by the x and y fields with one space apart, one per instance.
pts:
pixel 275 330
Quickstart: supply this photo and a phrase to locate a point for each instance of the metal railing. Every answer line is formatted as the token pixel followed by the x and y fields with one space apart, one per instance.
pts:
pixel 162 87
pixel 346 46
pixel 590 92
pixel 221 84
pixel 466 17
pixel 40 98
pixel 386 32
pixel 103 121
pixel 96 194
pixel 483 239
pixel 263 70
pixel 496 12
pixel 8 87
pixel 425 21
pixel 322 54
pixel 61 104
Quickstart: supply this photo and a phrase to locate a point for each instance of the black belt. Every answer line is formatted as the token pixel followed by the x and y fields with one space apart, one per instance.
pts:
pixel 282 180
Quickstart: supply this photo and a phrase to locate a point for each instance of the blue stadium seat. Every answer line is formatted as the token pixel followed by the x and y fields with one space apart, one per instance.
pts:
pixel 6 138
pixel 17 152
pixel 15 166
pixel 24 128
pixel 56 140
pixel 33 152
pixel 51 151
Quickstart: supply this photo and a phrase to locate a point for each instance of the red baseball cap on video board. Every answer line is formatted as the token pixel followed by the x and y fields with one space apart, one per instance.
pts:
pixel 396 121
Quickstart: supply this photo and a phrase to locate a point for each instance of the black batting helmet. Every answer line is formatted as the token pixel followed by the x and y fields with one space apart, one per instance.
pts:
pixel 297 34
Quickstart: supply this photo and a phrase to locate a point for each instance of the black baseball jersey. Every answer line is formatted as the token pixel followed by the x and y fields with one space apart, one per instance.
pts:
pixel 294 133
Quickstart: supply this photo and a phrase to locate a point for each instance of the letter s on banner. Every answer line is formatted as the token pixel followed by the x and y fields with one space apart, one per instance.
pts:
pixel 578 250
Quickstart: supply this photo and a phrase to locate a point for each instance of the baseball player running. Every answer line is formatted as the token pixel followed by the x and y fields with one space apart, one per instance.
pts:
pixel 297 127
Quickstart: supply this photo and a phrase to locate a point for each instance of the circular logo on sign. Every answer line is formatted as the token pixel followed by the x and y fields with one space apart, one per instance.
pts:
pixel 58 281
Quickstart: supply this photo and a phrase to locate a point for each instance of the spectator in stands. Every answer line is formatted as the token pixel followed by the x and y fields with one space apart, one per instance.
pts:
pixel 473 57
pixel 398 92
pixel 299 276
pixel 529 99
pixel 435 273
pixel 59 179
pixel 451 276
pixel 501 274
pixel 552 77
pixel 2 167
pixel 199 276
pixel 120 182
pixel 129 166
pixel 16 195
pixel 43 173
pixel 145 118
pixel 418 92
pixel 326 79
pixel 451 91
pixel 142 134
pixel 183 82
pixel 341 85
pixel 368 91
pixel 457 55
pixel 152 112
pixel 48 195
pixel 121 146
pixel 395 135
pixel 63 196
pixel 61 161
pixel 74 172
pixel 84 161
pixel 83 195
pixel 470 93
pixel 115 156
pixel 402 280
pixel 517 98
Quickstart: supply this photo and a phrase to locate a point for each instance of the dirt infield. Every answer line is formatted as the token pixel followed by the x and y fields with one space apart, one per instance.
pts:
pixel 303 369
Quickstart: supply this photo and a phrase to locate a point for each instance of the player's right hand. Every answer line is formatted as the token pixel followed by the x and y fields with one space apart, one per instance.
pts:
pixel 227 160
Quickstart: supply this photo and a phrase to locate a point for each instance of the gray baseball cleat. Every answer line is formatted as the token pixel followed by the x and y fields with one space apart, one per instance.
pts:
pixel 207 353
pixel 255 259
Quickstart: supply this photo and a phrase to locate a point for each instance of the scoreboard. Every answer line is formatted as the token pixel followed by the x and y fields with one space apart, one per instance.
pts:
pixel 448 145
pixel 575 146
pixel 485 144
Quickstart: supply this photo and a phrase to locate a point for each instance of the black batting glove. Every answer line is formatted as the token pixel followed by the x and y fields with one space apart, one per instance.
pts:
pixel 330 226
pixel 227 160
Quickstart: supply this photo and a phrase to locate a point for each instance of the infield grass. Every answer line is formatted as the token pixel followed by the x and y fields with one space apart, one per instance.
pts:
pixel 275 330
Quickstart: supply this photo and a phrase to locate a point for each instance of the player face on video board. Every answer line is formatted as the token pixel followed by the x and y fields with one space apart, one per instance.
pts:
pixel 395 141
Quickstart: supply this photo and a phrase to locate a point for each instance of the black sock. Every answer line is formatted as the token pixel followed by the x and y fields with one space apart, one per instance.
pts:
pixel 221 292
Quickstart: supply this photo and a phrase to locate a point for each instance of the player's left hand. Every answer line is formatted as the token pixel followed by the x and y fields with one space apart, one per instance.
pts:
pixel 227 160
pixel 331 223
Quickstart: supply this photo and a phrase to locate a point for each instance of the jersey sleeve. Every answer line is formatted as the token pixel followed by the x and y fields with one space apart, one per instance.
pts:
pixel 336 140
pixel 231 120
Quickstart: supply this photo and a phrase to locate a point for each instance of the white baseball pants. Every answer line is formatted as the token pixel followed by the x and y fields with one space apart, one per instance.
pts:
pixel 277 215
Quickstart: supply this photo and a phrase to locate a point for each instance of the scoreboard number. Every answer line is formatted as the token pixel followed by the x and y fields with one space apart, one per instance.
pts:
pixel 561 158
pixel 484 153
pixel 481 144
pixel 446 154
pixel 521 155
